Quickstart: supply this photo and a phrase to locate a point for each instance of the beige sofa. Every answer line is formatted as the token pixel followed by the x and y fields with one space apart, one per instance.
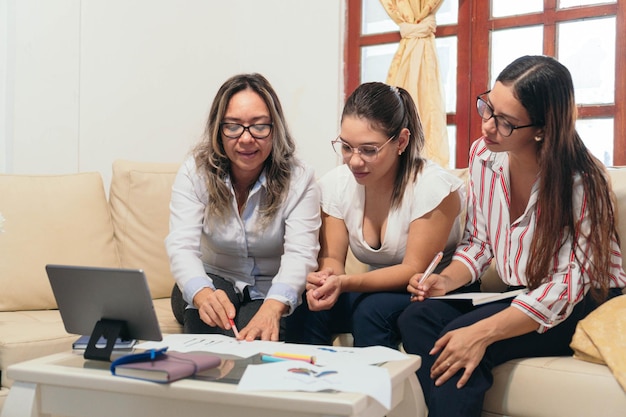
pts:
pixel 68 219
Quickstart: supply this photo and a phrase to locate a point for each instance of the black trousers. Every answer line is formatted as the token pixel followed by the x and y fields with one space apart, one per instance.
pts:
pixel 422 323
pixel 246 309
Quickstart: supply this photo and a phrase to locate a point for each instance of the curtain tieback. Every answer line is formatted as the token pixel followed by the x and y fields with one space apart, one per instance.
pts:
pixel 423 29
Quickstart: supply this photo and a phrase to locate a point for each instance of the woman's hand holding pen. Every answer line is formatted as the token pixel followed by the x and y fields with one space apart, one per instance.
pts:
pixel 434 286
pixel 214 307
pixel 418 286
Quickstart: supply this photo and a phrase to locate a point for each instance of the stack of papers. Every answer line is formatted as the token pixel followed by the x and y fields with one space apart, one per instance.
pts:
pixel 335 368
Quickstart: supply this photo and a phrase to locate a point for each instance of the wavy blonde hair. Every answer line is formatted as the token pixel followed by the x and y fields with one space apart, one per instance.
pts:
pixel 212 161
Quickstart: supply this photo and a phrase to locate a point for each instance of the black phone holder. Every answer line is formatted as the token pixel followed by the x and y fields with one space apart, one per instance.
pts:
pixel 110 330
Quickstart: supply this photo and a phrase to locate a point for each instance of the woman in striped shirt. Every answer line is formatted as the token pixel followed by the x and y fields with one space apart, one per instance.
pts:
pixel 540 206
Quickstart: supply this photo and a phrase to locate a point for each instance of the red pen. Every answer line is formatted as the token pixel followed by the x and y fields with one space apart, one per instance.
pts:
pixel 232 325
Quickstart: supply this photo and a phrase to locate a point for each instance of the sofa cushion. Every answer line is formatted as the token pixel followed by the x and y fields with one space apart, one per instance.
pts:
pixel 601 337
pixel 167 321
pixel 139 198
pixel 30 334
pixel 60 219
pixel 554 386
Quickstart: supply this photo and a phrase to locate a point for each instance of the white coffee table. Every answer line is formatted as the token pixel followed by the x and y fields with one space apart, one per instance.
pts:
pixel 66 385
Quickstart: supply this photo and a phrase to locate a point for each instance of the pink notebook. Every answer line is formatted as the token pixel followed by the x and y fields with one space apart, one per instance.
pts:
pixel 167 367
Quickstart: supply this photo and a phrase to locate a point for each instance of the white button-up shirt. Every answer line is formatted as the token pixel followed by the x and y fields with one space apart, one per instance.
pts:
pixel 272 262
pixel 491 233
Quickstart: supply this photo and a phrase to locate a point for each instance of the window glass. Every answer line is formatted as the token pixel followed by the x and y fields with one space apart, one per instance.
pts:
pixel 374 18
pixel 375 61
pixel 509 44
pixel 501 8
pixel 587 49
pixel 563 4
pixel 448 13
pixel 447 56
pixel 597 134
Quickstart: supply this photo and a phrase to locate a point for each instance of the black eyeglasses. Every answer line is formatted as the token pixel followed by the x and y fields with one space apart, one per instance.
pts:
pixel 368 153
pixel 235 130
pixel 485 111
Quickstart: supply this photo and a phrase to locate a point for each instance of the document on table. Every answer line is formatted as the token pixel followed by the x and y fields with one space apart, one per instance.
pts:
pixel 478 298
pixel 373 381
pixel 213 343
pixel 336 368
pixel 324 355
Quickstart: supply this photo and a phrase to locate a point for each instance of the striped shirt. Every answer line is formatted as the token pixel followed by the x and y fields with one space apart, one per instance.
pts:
pixel 491 233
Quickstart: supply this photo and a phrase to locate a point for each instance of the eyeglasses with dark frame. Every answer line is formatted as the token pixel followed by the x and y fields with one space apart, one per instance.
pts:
pixel 485 111
pixel 235 130
pixel 368 153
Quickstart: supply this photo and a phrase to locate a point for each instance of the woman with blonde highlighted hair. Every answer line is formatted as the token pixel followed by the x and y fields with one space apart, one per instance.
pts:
pixel 244 219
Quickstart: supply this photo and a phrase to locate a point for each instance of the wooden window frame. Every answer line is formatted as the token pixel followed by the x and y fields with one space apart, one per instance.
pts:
pixel 473 33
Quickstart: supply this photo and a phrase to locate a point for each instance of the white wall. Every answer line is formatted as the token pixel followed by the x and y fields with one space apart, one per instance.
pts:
pixel 85 82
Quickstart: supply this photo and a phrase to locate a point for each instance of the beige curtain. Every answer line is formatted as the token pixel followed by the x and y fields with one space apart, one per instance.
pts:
pixel 415 67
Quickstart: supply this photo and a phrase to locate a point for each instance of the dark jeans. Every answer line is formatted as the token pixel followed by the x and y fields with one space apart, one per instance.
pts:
pixel 370 317
pixel 246 309
pixel 421 324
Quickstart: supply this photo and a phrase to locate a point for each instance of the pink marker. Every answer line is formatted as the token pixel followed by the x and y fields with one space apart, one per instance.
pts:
pixel 431 267
pixel 429 270
pixel 232 324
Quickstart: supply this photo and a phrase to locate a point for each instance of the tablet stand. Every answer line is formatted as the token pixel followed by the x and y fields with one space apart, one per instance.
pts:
pixel 110 330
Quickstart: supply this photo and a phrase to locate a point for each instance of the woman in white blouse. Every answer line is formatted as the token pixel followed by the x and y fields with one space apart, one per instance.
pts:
pixel 244 218
pixel 540 207
pixel 393 208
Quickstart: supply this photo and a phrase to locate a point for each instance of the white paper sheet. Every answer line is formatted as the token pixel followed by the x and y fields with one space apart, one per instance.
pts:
pixel 349 369
pixel 324 355
pixel 213 343
pixel 373 381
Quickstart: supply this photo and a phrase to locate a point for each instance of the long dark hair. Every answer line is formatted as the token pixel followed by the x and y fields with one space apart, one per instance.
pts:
pixel 545 88
pixel 212 160
pixel 389 110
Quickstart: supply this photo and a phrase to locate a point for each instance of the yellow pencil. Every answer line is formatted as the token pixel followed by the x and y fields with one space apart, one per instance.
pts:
pixel 294 356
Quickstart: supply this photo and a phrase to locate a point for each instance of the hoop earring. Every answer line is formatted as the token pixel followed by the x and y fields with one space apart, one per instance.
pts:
pixel 538 138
